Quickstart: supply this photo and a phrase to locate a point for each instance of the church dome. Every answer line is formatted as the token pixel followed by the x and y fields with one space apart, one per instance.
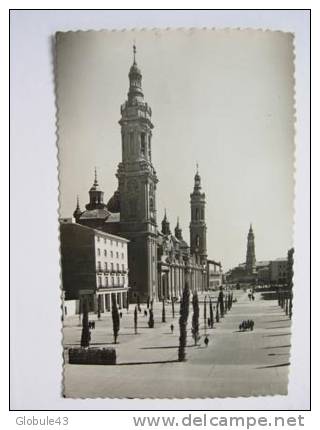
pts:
pixel 134 70
pixel 113 204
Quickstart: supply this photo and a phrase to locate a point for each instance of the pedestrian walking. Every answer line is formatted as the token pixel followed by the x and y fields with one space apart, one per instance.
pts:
pixel 120 314
pixel 172 328
pixel 206 341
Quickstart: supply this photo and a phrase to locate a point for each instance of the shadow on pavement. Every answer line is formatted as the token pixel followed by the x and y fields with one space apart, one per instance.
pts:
pixel 136 363
pixel 273 365
pixel 275 335
pixel 164 347
pixel 280 346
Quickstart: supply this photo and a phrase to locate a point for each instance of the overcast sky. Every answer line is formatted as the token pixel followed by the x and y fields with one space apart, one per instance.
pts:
pixel 224 99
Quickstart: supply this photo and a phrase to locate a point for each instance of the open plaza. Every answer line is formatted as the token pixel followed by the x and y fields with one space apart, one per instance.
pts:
pixel 235 363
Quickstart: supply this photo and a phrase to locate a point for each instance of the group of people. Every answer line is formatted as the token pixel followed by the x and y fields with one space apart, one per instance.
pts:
pixel 246 325
pixel 251 295
pixel 92 325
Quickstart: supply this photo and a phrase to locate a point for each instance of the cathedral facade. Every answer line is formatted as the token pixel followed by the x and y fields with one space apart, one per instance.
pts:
pixel 159 261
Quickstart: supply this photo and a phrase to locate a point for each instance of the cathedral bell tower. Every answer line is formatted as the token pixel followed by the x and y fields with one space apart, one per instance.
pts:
pixel 251 255
pixel 137 188
pixel 198 228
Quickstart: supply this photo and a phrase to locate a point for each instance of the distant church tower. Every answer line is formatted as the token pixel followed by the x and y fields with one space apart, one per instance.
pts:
pixel 198 228
pixel 251 255
pixel 137 188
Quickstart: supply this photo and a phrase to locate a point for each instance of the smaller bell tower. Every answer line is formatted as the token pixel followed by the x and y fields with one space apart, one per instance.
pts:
pixel 198 228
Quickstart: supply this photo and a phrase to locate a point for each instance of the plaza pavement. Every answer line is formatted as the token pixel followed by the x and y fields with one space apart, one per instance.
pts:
pixel 234 363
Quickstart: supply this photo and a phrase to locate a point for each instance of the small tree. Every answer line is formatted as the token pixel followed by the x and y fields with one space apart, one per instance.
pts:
pixel 99 307
pixel 151 319
pixel 217 313
pixel 85 334
pixel 172 306
pixel 135 316
pixel 115 318
pixel 211 313
pixel 183 321
pixel 220 302
pixel 195 317
pixel 205 314
pixel 163 311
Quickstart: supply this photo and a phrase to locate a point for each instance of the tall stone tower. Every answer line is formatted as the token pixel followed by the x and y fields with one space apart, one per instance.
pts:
pixel 137 188
pixel 198 228
pixel 251 255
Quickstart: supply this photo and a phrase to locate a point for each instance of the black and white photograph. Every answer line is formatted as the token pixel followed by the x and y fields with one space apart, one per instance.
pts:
pixel 176 169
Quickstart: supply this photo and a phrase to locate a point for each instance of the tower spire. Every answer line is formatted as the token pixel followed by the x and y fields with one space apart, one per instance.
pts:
pixel 134 52
pixel 77 211
pixel 95 177
pixel 251 255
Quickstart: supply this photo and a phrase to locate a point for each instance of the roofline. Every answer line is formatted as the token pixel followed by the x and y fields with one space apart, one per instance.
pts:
pixel 101 232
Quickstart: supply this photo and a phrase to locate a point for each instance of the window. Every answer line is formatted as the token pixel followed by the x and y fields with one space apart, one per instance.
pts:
pixel 98 238
pixel 123 280
pixel 118 280
pixel 123 267
pixel 111 242
pixel 111 267
pixel 143 143
pixel 98 250
pixel 149 149
pixel 105 240
pixel 117 243
pixel 107 281
pixel 131 146
pixel 100 281
pixel 99 265
pixel 122 256
pixel 122 244
pixel 117 254
pixel 105 252
pixel 117 267
pixel 106 266
pixel 112 280
pixel 111 254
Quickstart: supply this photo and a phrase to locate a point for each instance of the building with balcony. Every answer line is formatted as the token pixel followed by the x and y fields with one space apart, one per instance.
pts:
pixel 94 265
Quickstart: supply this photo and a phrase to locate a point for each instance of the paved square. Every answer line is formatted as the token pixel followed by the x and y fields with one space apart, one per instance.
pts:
pixel 234 364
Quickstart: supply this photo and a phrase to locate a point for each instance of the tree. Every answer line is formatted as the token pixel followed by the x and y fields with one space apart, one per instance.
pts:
pixel 115 318
pixel 85 334
pixel 220 302
pixel 151 319
pixel 195 317
pixel 136 320
pixel 290 279
pixel 217 313
pixel 138 303
pixel 205 314
pixel 99 306
pixel 183 321
pixel 211 313
pixel 172 306
pixel 163 311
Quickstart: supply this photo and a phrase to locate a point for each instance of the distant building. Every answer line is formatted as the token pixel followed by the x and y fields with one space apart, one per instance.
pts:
pixel 215 274
pixel 258 272
pixel 94 264
pixel 279 271
pixel 251 253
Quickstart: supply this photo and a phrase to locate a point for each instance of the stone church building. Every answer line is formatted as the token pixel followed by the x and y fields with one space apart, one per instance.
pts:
pixel 159 261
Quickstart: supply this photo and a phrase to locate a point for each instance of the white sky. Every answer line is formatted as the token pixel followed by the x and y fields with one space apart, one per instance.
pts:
pixel 224 99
